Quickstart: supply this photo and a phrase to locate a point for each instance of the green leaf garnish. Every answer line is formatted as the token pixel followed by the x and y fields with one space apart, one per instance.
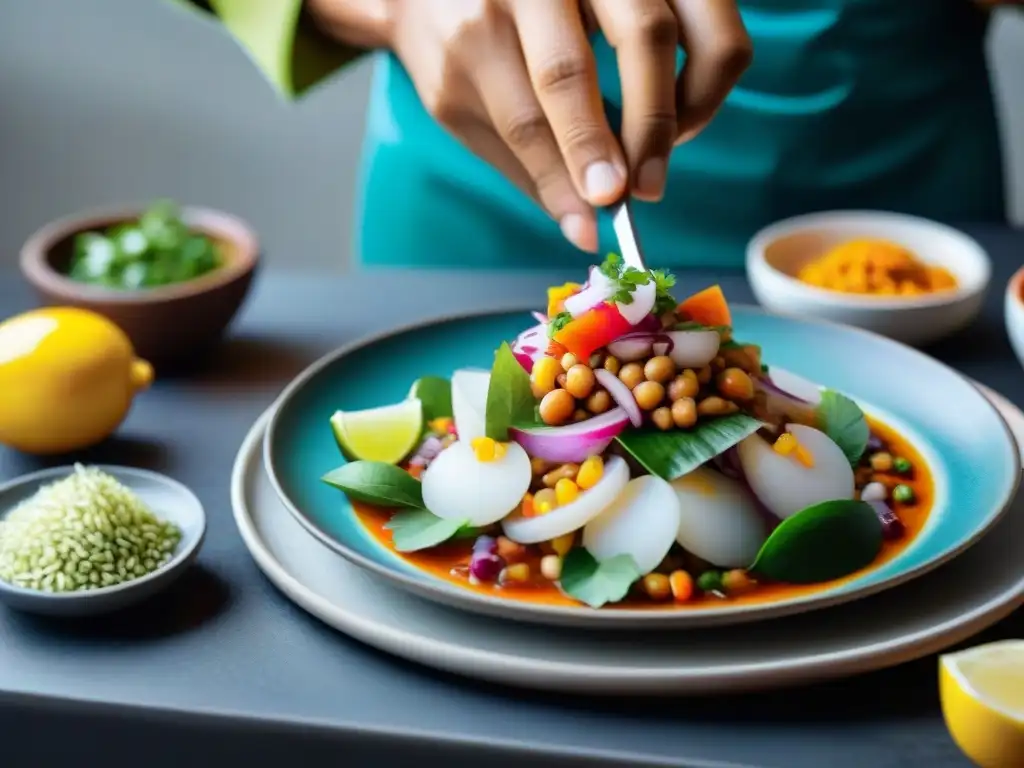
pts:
pixel 510 397
pixel 822 542
pixel 376 483
pixel 670 455
pixel 558 322
pixel 418 529
pixel 435 395
pixel 597 583
pixel 626 279
pixel 842 419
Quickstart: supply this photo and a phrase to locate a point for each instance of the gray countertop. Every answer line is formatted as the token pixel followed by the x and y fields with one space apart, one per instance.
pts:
pixel 224 667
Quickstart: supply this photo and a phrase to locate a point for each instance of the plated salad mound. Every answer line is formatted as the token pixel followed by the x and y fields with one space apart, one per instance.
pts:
pixel 627 449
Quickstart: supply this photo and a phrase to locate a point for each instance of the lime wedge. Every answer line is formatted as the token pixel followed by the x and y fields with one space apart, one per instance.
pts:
pixel 385 434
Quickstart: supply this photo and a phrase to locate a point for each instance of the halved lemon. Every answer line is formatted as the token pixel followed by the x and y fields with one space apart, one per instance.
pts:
pixel 982 694
pixel 387 434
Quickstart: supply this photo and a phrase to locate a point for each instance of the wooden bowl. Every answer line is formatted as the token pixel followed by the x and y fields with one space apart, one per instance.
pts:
pixel 172 326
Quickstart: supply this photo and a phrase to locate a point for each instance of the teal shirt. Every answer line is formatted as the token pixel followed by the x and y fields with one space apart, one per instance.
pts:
pixel 848 104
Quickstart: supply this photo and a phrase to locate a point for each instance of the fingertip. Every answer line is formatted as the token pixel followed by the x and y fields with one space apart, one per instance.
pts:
pixel 580 230
pixel 604 183
pixel 650 181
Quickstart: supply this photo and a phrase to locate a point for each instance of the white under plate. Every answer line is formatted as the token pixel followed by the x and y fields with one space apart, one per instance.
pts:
pixel 956 601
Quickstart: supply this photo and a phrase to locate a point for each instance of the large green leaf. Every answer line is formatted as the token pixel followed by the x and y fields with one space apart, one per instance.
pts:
pixel 822 542
pixel 597 583
pixel 510 397
pixel 674 453
pixel 376 483
pixel 418 529
pixel 842 419
pixel 435 394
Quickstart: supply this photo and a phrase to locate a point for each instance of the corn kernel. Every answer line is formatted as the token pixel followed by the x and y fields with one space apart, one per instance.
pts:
pixel 788 445
pixel 520 572
pixel 566 491
pixel 544 501
pixel 500 449
pixel 591 472
pixel 543 376
pixel 785 445
pixel 551 567
pixel 442 425
pixel 681 584
pixel 563 544
pixel 485 448
pixel 656 586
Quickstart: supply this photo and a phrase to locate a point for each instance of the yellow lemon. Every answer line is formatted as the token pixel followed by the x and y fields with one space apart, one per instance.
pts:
pixel 982 692
pixel 67 380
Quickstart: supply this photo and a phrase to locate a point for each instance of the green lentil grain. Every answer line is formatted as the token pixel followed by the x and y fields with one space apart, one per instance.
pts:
pixel 84 532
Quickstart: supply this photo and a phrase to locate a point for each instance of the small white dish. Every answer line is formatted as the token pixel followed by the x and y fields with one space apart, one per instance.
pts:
pixel 1014 312
pixel 776 254
pixel 167 498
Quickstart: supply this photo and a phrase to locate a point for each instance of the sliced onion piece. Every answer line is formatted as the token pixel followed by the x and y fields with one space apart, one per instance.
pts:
pixel 621 394
pixel 574 442
pixel 780 402
pixel 530 346
pixel 693 349
pixel 642 522
pixel 540 317
pixel 633 346
pixel 640 307
pixel 573 516
pixel 892 526
pixel 596 290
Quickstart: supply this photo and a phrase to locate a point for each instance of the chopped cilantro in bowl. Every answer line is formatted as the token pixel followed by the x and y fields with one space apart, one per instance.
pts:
pixel 156 250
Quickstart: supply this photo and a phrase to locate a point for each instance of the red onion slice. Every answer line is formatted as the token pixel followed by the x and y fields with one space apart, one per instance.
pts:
pixel 530 346
pixel 596 290
pixel 693 349
pixel 574 442
pixel 621 395
pixel 540 317
pixel 631 347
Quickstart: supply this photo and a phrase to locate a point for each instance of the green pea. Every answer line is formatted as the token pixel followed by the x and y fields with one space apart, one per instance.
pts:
pixel 901 465
pixel 710 581
pixel 903 494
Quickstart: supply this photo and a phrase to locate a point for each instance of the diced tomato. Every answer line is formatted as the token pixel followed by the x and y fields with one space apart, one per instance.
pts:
pixel 592 330
pixel 708 307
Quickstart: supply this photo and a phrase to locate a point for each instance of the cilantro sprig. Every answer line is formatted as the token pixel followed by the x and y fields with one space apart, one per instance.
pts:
pixel 558 322
pixel 626 279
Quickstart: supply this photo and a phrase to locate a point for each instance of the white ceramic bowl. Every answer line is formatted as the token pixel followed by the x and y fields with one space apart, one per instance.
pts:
pixel 1014 311
pixel 776 254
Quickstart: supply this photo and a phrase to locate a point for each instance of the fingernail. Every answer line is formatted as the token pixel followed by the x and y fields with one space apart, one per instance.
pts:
pixel 579 231
pixel 603 182
pixel 650 182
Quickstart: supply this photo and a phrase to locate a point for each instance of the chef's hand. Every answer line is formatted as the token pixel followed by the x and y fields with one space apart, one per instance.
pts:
pixel 515 81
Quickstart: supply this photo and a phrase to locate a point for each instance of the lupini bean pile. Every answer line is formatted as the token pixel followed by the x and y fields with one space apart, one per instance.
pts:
pixel 84 532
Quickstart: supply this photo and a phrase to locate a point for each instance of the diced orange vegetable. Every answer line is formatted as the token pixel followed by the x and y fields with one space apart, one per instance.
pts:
pixel 708 307
pixel 592 330
pixel 557 294
pixel 681 584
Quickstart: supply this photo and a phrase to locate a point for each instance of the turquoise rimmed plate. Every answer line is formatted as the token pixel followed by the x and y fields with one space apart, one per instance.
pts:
pixel 970 450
